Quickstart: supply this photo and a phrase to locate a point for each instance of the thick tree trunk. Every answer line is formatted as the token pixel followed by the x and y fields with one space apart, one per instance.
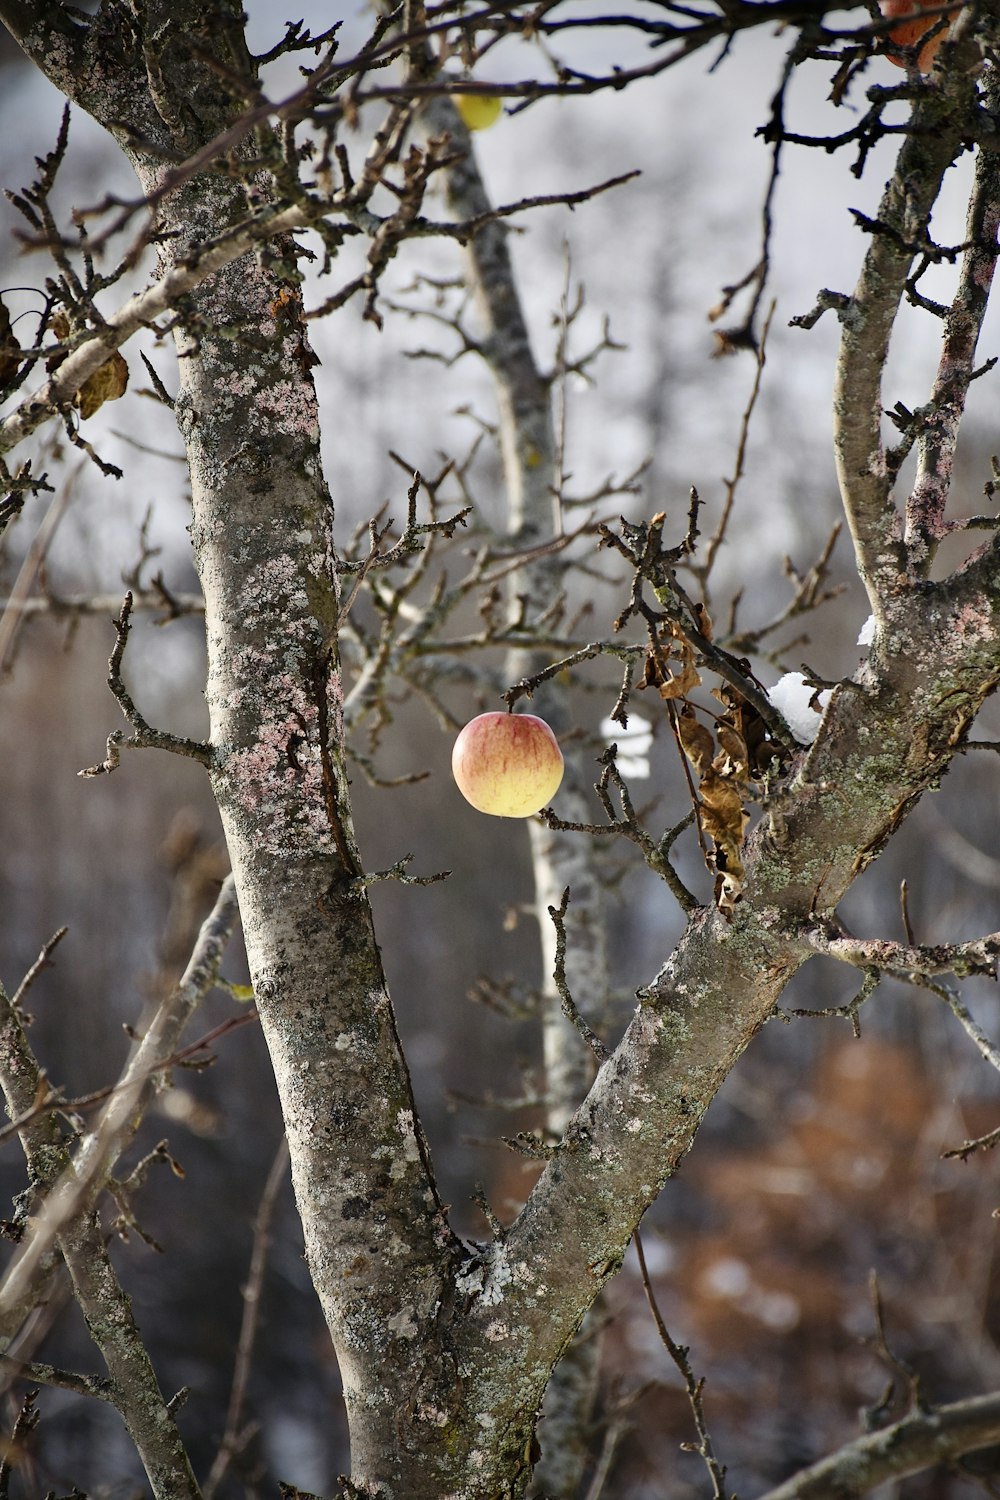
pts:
pixel 377 1241
pixel 378 1244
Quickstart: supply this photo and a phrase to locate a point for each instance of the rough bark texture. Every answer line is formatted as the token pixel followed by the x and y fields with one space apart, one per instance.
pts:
pixel 377 1242
pixel 262 541
pixel 866 479
pixel 446 1352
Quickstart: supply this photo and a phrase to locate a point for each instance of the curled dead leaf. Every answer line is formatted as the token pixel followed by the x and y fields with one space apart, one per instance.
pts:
pixel 285 304
pixel 107 383
pixel 60 329
pixel 727 892
pixel 727 758
pixel 724 820
pixel 733 758
pixel 761 748
pixel 696 740
pixel 658 670
pixel 722 784
pixel 10 349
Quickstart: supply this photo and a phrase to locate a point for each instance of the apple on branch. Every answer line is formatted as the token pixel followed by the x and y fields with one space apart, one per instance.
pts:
pixel 507 764
pixel 908 33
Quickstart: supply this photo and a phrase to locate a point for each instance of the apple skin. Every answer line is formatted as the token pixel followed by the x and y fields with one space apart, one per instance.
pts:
pixel 908 33
pixel 508 765
pixel 478 111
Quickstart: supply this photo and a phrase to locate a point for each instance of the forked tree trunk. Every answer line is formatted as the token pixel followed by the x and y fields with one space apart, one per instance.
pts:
pixel 445 1353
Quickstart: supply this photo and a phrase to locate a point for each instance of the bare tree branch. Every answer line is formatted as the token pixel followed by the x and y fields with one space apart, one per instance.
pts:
pixel 920 1441
pixel 234 1434
pixel 71 1197
pixel 900 230
pixel 76 1236
pixel 143 736
pixel 13 609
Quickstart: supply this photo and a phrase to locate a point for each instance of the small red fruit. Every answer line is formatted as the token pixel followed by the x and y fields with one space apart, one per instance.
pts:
pixel 509 765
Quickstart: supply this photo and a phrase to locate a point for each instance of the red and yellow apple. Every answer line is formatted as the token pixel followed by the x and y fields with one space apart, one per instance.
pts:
pixel 908 33
pixel 509 765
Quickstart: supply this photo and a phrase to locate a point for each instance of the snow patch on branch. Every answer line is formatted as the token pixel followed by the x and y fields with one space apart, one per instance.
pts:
pixel 793 697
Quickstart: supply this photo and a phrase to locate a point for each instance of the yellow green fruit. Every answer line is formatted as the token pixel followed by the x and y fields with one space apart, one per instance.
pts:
pixel 478 111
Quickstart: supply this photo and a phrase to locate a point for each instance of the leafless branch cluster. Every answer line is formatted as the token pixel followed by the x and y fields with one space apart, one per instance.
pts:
pixel 64 1226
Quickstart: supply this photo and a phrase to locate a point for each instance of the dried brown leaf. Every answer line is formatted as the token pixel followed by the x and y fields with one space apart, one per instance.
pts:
pixel 697 741
pixel 107 383
pixel 728 890
pixel 733 758
pixel 761 748
pixel 722 782
pixel 60 329
pixel 10 358
pixel 704 621
pixel 658 670
pixel 723 817
pixel 678 687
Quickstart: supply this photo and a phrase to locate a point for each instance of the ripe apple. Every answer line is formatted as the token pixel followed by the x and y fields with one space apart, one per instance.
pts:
pixel 509 765
pixel 908 33
pixel 478 111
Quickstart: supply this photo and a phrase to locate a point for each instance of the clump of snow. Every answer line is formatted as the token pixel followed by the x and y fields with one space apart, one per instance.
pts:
pixel 867 634
pixel 634 744
pixel 792 696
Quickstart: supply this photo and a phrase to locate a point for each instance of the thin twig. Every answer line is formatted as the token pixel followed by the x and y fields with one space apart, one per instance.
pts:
pixel 573 1016
pixel 234 1436
pixel 695 1388
pixel 731 485
pixel 987 1048
pixel 616 1430
pixel 12 617
pixel 156 596
pixel 920 1441
pixel 980 1143
pixel 978 956
pixel 904 912
pixel 49 1101
pixel 24 1424
pixel 655 852
pixel 97 1386
pixel 43 961
pixel 143 736
pixel 849 1012
pixel 877 1416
